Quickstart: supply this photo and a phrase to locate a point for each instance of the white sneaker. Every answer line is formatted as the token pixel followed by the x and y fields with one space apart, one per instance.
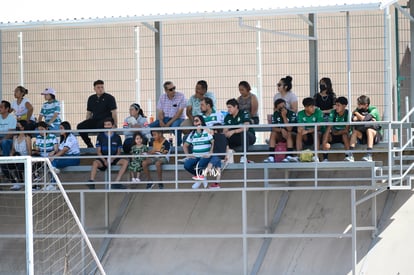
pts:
pixel 137 179
pixel 315 159
pixel 367 158
pixel 325 160
pixel 269 159
pixel 196 184
pixel 49 187
pixel 293 159
pixel 349 158
pixel 57 171
pixel 15 187
pixel 205 184
pixel 242 159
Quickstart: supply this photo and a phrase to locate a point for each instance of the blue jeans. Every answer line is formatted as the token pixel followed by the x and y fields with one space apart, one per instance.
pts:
pixel 6 145
pixel 176 123
pixel 192 163
pixel 61 163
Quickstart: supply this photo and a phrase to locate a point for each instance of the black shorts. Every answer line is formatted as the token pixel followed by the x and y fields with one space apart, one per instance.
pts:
pixel 104 167
pixel 363 140
pixel 336 139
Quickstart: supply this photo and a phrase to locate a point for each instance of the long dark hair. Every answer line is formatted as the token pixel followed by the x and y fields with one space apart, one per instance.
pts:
pixel 328 84
pixel 203 123
pixel 66 126
pixel 138 108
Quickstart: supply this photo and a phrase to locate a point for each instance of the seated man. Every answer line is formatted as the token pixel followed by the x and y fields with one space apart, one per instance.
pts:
pixel 281 134
pixel 170 108
pixel 365 134
pixel 235 135
pixel 306 134
pixel 103 149
pixel 337 133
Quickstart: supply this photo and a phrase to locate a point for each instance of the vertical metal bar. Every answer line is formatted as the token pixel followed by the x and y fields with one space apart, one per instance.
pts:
pixel 374 215
pixel 259 72
pixel 1 67
pixel 387 72
pixel 266 211
pixel 107 212
pixel 354 231
pixel 159 67
pixel 82 220
pixel 348 63
pixel 244 229
pixel 137 67
pixel 21 58
pixel 411 6
pixel 313 56
pixel 29 216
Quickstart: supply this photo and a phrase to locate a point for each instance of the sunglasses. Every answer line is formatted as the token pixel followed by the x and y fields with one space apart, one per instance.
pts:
pixel 171 89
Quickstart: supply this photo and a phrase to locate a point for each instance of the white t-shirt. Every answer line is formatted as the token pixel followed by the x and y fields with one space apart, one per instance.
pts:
pixel 20 110
pixel 7 123
pixel 290 97
pixel 72 144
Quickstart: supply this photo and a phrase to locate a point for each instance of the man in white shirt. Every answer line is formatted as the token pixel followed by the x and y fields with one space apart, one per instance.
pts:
pixel 7 123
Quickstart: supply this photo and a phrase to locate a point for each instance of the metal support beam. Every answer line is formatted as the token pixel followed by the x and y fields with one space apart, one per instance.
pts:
pixel 313 57
pixel 159 68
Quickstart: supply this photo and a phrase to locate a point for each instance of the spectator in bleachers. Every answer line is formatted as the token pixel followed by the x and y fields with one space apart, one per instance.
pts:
pixel 103 149
pixel 210 115
pixel 100 106
pixel 160 147
pixel 7 123
pixel 306 134
pixel 337 133
pixel 22 146
pixel 235 135
pixel 365 134
pixel 326 98
pixel 136 119
pixel 170 108
pixel 194 102
pixel 202 142
pixel 139 151
pixel 282 115
pixel 68 147
pixel 50 110
pixel 248 101
pixel 22 107
pixel 46 144
pixel 284 88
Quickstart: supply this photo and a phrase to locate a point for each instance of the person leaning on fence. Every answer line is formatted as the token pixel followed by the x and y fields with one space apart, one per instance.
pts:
pixel 68 147
pixel 202 142
pixel 248 101
pixel 170 109
pixel 235 135
pixel 100 106
pixel 365 134
pixel 50 110
pixel 337 133
pixel 306 134
pixel 103 148
pixel 136 119
pixel 8 122
pixel 278 134
pixel 161 148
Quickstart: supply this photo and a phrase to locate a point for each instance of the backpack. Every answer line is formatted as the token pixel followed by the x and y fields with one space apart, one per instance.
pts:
pixel 306 156
pixel 280 147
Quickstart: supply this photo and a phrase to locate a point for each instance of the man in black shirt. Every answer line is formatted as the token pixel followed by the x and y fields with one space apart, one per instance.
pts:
pixel 100 106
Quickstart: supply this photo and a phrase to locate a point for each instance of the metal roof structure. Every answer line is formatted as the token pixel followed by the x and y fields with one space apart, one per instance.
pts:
pixel 30 14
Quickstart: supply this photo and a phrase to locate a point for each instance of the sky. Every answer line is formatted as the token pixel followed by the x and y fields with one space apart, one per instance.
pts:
pixel 40 10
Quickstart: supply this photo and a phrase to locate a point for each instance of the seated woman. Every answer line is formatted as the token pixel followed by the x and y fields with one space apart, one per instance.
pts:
pixel 136 119
pixel 22 146
pixel 68 147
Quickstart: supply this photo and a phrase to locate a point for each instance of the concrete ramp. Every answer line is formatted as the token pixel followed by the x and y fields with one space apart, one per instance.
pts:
pixel 306 212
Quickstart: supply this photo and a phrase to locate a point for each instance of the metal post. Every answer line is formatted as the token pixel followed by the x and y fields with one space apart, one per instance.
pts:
pixel 259 73
pixel 137 67
pixel 313 57
pixel 244 229
pixel 20 36
pixel 348 64
pixel 411 5
pixel 387 71
pixel 1 67
pixel 354 231
pixel 159 68
pixel 29 216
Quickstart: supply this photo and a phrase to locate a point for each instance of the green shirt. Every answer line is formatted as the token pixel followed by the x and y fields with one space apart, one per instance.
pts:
pixel 372 110
pixel 335 117
pixel 277 117
pixel 317 116
pixel 239 119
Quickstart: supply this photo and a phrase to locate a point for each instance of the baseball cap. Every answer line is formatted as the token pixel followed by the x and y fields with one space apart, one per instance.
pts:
pixel 49 91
